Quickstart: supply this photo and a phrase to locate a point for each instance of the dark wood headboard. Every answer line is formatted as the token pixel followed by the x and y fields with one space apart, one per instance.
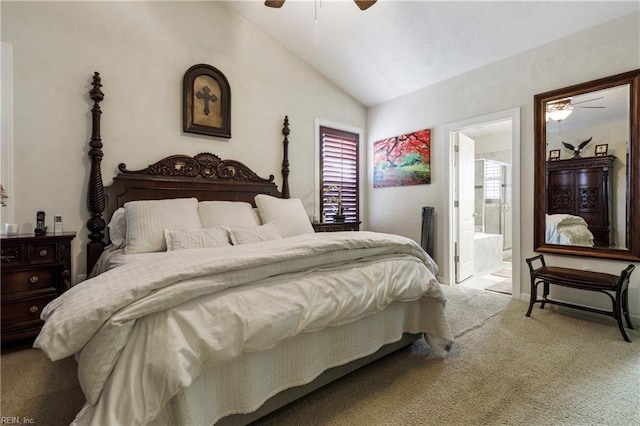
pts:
pixel 205 176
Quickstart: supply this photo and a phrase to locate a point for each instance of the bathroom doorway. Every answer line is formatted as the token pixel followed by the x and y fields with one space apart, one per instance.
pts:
pixel 484 260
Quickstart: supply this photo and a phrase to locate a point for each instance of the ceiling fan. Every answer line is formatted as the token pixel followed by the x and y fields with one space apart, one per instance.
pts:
pixel 561 109
pixel 362 4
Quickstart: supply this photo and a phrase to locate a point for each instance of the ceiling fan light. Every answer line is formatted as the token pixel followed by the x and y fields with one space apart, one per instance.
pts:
pixel 274 3
pixel 364 4
pixel 559 114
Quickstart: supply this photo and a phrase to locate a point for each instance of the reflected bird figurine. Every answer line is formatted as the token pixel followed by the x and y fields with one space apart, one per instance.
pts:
pixel 576 150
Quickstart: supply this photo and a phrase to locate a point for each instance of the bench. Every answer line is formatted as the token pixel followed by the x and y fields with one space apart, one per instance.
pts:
pixel 616 287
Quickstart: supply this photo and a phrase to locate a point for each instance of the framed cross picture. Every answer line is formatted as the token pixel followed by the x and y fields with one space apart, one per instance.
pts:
pixel 206 102
pixel 554 155
pixel 601 150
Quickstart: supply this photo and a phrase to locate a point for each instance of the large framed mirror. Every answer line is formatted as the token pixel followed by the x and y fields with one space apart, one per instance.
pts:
pixel 587 169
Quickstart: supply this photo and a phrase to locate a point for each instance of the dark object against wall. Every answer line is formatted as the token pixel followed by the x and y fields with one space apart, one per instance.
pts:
pixel 428 227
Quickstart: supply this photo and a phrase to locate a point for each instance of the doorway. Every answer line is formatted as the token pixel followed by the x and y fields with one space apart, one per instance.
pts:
pixel 484 202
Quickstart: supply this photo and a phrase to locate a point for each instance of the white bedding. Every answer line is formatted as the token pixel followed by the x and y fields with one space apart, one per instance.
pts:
pixel 567 229
pixel 172 315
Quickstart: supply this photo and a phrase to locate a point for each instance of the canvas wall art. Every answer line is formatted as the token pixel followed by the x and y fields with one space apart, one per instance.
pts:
pixel 402 160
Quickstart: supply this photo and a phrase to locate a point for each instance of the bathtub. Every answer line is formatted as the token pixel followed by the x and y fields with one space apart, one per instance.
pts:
pixel 488 251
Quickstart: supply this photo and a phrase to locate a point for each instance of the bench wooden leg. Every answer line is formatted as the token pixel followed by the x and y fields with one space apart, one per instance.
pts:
pixel 533 297
pixel 622 331
pixel 545 294
pixel 625 306
pixel 621 309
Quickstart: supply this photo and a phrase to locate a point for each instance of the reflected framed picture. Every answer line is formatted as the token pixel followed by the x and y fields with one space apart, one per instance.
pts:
pixel 206 102
pixel 601 150
pixel 554 155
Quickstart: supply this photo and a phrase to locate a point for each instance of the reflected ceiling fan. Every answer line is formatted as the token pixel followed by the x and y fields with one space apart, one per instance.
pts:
pixel 561 109
pixel 362 4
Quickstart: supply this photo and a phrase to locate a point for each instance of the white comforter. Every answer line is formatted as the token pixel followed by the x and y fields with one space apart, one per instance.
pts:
pixel 181 311
pixel 567 229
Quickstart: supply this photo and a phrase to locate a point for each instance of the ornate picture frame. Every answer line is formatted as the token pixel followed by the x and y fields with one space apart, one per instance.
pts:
pixel 206 102
pixel 554 155
pixel 601 150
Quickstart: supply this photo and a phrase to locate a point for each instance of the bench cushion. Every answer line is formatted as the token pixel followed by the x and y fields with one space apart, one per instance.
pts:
pixel 558 275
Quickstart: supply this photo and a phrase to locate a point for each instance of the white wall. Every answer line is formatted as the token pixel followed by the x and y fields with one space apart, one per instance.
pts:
pixel 494 142
pixel 142 50
pixel 598 52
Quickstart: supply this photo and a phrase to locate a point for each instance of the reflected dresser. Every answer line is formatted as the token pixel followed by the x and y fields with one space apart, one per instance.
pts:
pixel 583 187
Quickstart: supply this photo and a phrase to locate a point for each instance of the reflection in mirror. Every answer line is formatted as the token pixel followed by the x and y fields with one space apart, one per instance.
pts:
pixel 587 176
pixel 586 190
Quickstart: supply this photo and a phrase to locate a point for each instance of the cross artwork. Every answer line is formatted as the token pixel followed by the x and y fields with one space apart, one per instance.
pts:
pixel 206 97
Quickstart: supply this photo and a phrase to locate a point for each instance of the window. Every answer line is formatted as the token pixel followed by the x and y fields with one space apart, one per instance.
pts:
pixel 339 171
pixel 492 181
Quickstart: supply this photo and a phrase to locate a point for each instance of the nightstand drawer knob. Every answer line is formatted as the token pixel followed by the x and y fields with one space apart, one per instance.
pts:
pixel 43 253
pixel 33 279
pixel 33 309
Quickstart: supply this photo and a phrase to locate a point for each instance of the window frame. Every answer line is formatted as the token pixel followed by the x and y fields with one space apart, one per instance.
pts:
pixel 348 133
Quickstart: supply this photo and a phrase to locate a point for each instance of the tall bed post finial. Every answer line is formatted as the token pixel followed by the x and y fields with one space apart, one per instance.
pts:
pixel 95 194
pixel 285 158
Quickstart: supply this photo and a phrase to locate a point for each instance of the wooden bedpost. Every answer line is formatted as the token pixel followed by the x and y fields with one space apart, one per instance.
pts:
pixel 95 194
pixel 285 158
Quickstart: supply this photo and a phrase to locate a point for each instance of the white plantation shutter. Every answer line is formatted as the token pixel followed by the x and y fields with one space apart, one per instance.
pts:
pixel 339 172
pixel 492 181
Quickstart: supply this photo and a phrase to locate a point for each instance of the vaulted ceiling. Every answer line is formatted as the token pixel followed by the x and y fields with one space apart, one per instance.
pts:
pixel 396 47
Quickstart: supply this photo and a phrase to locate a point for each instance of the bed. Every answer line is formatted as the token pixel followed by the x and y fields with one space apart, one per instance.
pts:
pixel 568 229
pixel 216 302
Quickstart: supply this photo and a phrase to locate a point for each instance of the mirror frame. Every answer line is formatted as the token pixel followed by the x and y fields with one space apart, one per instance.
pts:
pixel 632 251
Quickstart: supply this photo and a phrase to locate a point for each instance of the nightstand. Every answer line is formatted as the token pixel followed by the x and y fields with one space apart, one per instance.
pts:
pixel 335 226
pixel 35 270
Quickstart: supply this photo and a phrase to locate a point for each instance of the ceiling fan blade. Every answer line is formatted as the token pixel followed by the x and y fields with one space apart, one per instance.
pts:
pixel 364 4
pixel 588 100
pixel 274 3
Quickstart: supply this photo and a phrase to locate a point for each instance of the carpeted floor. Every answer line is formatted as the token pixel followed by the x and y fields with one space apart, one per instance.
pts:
pixel 505 369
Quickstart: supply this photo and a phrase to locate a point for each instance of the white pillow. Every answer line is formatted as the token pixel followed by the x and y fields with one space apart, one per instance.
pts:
pixel 256 214
pixel 147 220
pixel 234 214
pixel 118 228
pixel 181 239
pixel 289 215
pixel 264 232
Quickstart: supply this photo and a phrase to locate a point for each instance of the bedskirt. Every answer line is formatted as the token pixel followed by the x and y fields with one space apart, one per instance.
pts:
pixel 244 384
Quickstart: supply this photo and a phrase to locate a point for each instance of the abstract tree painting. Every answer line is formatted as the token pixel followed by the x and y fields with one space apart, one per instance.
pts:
pixel 402 160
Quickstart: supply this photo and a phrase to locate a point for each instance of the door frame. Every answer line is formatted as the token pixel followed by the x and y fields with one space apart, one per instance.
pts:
pixel 449 129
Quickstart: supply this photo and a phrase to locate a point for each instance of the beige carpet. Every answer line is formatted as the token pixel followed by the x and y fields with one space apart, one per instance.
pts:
pixel 505 369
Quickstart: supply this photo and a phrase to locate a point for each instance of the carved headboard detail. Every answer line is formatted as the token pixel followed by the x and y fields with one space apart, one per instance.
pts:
pixel 204 165
pixel 205 176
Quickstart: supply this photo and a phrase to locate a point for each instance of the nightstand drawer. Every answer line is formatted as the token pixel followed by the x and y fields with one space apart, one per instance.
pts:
pixel 34 279
pixel 12 255
pixel 24 310
pixel 42 253
pixel 35 270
